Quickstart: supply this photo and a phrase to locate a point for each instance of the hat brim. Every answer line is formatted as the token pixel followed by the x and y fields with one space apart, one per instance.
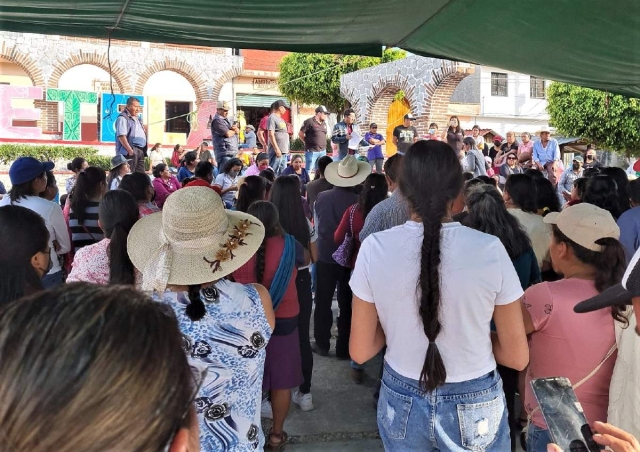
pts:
pixel 331 174
pixel 615 295
pixel 120 164
pixel 188 267
pixel 48 166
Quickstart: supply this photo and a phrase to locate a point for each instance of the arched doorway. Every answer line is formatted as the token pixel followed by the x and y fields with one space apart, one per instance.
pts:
pixel 388 110
pixel 171 99
pixel 398 108
pixel 83 77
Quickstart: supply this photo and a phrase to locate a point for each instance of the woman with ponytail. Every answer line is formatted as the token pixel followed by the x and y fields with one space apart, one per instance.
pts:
pixel 85 203
pixel 275 266
pixel 585 250
pixel 432 306
pixel 107 261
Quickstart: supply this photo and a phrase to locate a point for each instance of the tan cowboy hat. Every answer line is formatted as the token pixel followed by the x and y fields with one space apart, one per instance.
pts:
pixel 543 130
pixel 194 240
pixel 348 172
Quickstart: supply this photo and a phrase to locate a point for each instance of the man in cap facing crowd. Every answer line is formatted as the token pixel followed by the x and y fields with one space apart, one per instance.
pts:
pixel 224 134
pixel 405 135
pixel 314 134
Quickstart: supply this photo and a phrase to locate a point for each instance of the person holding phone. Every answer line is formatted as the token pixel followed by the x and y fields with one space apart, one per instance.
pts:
pixel 584 249
pixel 627 292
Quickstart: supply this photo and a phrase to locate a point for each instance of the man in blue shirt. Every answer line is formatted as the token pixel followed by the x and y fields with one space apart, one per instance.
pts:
pixel 131 136
pixel 546 155
pixel 224 135
pixel 374 154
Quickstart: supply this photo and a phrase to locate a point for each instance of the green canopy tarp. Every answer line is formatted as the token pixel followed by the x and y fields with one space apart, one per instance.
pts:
pixel 586 42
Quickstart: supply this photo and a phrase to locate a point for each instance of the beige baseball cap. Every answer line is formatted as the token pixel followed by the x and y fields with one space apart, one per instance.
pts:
pixel 224 105
pixel 585 224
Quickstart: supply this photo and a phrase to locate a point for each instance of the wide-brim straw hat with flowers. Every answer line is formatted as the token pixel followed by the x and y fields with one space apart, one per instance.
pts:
pixel 194 240
pixel 348 172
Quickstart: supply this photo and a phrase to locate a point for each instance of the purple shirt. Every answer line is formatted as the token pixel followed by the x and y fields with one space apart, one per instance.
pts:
pixel 374 152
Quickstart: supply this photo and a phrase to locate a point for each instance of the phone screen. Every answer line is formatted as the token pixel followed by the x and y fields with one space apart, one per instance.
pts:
pixel 563 414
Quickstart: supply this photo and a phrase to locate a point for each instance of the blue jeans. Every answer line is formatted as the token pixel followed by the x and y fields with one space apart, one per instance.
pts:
pixel 470 415
pixel 311 159
pixel 538 439
pixel 52 280
pixel 279 164
pixel 222 161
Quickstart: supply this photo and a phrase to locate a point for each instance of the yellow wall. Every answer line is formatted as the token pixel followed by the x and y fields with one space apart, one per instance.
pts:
pixel 395 117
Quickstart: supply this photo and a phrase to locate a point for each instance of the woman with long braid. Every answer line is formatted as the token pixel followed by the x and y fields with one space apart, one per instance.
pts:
pixel 432 306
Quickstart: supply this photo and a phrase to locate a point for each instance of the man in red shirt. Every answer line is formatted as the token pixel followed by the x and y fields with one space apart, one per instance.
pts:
pixel 263 134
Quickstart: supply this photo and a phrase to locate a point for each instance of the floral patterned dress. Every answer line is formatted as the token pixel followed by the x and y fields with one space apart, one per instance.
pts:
pixel 230 340
pixel 91 264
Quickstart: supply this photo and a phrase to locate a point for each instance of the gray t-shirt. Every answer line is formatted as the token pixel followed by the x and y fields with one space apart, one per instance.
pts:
pixel 279 126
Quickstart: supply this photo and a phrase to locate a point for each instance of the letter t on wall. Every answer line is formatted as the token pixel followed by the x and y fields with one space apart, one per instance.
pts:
pixel 72 116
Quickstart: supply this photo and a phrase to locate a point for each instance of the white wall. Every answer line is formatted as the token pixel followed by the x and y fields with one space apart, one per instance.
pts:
pixel 517 111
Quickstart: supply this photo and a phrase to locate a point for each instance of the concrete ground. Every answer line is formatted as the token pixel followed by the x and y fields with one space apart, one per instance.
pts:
pixel 344 418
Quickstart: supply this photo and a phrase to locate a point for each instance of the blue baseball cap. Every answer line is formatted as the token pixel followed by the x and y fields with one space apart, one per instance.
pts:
pixel 26 169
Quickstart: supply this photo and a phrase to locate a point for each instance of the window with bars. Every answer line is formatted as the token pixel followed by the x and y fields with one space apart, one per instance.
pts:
pixel 499 84
pixel 536 87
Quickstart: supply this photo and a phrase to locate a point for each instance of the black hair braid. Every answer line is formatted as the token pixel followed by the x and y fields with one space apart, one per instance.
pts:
pixel 260 261
pixel 195 310
pixel 433 372
pixel 431 180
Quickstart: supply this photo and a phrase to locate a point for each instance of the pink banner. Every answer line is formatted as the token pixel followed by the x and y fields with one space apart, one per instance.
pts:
pixel 8 114
pixel 202 132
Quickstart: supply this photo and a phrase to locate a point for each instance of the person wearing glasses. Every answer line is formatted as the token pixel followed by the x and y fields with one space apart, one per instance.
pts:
pixel 374 154
pixel 314 134
pixel 510 167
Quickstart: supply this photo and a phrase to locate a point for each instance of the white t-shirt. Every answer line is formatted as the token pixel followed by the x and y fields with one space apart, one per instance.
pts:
pixel 53 219
pixel 115 183
pixel 156 158
pixel 476 275
pixel 313 237
pixel 539 233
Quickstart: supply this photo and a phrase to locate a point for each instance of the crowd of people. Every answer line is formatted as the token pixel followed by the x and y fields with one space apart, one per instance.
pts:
pixel 189 298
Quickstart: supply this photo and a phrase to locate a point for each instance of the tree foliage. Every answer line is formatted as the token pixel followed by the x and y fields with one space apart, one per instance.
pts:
pixel 610 121
pixel 297 83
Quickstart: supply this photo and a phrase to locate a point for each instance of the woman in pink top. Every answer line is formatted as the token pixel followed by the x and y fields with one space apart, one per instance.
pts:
pixel 164 183
pixel 107 262
pixel 585 249
pixel 525 149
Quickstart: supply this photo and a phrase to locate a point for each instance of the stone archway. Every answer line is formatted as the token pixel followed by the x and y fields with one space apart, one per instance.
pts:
pixel 440 90
pixel 29 66
pixel 194 77
pixel 381 112
pixel 427 83
pixel 95 59
pixel 207 107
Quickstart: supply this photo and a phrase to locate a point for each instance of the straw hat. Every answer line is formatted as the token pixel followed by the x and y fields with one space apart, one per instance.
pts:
pixel 544 129
pixel 348 172
pixel 194 240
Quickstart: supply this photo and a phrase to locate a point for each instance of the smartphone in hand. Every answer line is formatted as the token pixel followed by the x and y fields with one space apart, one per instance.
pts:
pixel 564 415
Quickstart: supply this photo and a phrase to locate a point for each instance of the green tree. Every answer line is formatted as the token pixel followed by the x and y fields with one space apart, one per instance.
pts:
pixel 298 83
pixel 610 121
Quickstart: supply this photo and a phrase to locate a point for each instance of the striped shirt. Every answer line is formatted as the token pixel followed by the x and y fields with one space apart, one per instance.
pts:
pixel 387 214
pixel 89 232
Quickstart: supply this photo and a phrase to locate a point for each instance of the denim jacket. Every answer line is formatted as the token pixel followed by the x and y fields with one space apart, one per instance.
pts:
pixel 339 136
